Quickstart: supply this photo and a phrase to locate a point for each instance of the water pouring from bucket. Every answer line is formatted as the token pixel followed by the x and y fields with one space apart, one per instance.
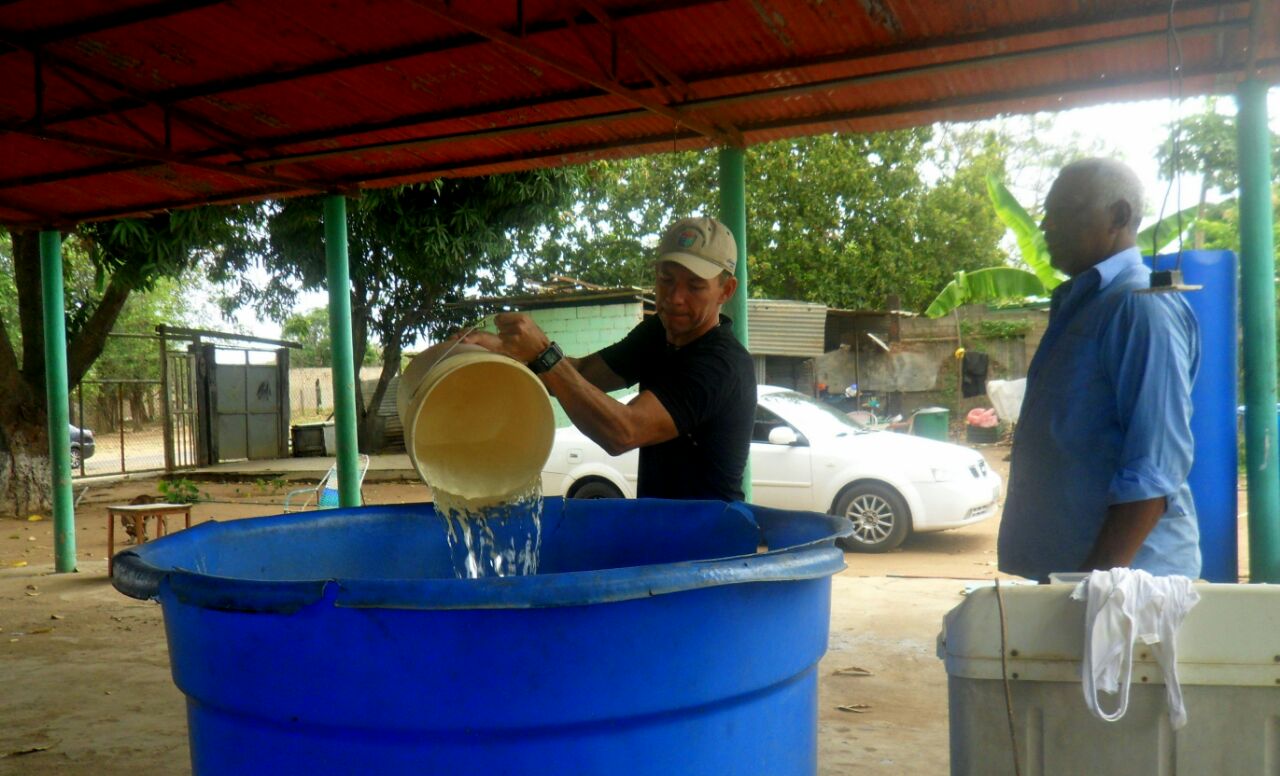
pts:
pixel 478 428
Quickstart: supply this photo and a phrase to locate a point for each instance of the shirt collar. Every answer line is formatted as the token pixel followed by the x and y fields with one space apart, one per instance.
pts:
pixel 1108 269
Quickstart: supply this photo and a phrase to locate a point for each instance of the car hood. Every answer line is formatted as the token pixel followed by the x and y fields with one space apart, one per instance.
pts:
pixel 910 451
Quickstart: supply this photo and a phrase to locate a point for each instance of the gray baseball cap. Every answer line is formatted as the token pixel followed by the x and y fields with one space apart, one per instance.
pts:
pixel 704 246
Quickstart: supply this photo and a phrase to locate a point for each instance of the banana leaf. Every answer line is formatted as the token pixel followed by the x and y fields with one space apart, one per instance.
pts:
pixel 1168 230
pixel 1026 231
pixel 993 284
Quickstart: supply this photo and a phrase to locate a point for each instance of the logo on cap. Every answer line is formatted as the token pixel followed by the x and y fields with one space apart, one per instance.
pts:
pixel 687 238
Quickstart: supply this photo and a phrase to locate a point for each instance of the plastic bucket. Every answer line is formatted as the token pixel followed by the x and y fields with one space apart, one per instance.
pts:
pixel 476 424
pixel 932 422
pixel 659 641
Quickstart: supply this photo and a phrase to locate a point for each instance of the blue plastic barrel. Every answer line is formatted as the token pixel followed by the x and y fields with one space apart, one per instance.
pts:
pixel 657 639
pixel 1214 473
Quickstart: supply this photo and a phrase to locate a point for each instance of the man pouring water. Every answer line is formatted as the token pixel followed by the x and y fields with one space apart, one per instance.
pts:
pixel 693 417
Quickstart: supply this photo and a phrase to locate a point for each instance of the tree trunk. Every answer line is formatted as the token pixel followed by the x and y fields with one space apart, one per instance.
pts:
pixel 369 421
pixel 26 479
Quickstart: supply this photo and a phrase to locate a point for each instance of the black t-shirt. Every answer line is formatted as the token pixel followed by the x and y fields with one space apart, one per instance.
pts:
pixel 709 388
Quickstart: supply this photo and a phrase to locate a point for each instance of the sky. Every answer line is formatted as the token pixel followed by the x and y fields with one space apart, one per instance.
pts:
pixel 1132 131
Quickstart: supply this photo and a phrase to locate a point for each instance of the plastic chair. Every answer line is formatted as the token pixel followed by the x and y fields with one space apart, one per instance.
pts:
pixel 325 493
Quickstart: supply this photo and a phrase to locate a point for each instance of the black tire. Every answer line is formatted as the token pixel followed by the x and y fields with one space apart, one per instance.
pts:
pixel 596 489
pixel 75 458
pixel 879 514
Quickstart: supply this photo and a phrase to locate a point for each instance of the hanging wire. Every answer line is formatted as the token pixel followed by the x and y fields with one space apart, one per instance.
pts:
pixel 1173 55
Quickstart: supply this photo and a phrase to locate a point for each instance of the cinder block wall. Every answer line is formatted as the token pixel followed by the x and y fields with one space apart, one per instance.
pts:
pixel 585 329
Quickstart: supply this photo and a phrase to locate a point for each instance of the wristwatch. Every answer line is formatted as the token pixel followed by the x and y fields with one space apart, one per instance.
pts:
pixel 549 358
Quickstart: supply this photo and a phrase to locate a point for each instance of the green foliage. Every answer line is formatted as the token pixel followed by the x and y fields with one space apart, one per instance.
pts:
pixel 990 329
pixel 178 491
pixel 992 284
pixel 1166 230
pixel 1031 244
pixel 270 487
pixel 845 220
pixel 311 330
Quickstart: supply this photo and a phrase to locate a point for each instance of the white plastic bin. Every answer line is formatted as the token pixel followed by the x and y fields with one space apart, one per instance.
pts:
pixel 1228 663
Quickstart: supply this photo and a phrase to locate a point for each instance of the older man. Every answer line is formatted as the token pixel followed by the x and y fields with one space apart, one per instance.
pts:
pixel 693 417
pixel 1103 444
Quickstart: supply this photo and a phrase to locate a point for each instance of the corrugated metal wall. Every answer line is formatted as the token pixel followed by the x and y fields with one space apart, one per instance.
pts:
pixel 783 328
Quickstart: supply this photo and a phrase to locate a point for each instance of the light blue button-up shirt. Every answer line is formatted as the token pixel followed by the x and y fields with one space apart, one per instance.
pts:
pixel 1106 420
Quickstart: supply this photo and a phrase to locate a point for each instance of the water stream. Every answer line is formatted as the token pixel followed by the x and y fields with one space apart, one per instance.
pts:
pixel 488 539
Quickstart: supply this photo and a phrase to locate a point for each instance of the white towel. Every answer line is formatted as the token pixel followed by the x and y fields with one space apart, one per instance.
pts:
pixel 1124 606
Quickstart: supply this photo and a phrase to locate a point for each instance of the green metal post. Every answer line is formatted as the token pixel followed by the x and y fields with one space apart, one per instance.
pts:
pixel 733 212
pixel 55 381
pixel 344 371
pixel 1258 301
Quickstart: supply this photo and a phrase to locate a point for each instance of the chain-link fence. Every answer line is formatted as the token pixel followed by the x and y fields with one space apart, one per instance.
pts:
pixel 118 427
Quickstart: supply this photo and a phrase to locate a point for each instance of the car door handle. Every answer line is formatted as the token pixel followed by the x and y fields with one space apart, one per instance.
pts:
pixel 575 456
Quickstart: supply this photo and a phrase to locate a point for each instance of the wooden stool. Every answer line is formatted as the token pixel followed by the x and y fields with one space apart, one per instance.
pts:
pixel 138 514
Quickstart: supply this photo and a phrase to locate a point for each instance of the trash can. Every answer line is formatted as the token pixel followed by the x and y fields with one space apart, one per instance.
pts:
pixel 932 422
pixel 655 639
pixel 1227 667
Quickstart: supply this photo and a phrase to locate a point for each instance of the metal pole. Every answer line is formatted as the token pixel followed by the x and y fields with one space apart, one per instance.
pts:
pixel 733 212
pixel 1258 299
pixel 344 378
pixel 55 380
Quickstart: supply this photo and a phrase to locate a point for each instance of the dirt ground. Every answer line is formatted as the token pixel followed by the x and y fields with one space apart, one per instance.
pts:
pixel 87 690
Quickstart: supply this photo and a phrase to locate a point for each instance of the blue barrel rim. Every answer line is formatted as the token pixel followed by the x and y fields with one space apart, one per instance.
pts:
pixel 811 555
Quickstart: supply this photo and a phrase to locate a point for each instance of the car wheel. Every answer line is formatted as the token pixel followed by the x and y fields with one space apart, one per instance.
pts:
pixel 75 458
pixel 596 489
pixel 879 515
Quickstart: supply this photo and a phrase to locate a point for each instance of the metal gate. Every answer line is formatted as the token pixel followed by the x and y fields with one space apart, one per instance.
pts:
pixel 181 443
pixel 245 402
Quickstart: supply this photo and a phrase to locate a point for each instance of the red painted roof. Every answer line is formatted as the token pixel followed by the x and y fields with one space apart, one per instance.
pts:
pixel 116 107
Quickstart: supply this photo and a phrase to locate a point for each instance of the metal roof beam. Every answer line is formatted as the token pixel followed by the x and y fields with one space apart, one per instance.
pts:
pixel 108 21
pixel 166 157
pixel 526 49
pixel 495 132
pixel 782 91
pixel 562 154
pixel 1084 87
pixel 178 94
pixel 209 129
pixel 852 57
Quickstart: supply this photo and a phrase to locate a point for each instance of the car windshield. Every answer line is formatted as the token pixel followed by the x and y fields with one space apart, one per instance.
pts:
pixel 812 418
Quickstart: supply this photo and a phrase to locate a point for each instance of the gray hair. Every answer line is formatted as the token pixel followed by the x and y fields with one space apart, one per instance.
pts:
pixel 1108 182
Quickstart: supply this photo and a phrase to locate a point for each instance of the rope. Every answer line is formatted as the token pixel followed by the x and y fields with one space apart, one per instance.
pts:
pixel 1004 672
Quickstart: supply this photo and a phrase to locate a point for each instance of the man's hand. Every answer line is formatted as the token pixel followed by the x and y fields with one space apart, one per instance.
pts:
pixel 518 337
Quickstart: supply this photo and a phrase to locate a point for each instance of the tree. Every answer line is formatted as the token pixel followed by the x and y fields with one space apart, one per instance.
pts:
pixel 845 220
pixel 310 329
pixel 1206 146
pixel 412 249
pixel 105 264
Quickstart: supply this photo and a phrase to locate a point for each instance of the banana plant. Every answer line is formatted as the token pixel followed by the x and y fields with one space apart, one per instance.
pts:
pixel 1166 230
pixel 1003 284
pixel 992 284
pixel 1031 244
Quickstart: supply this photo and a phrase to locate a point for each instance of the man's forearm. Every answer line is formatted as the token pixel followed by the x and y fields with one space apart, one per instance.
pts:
pixel 602 418
pixel 1124 532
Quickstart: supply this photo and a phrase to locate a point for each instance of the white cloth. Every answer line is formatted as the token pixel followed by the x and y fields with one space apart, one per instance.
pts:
pixel 1124 606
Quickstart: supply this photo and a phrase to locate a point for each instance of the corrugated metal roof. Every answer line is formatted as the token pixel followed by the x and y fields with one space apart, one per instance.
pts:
pixel 115 107
pixel 784 328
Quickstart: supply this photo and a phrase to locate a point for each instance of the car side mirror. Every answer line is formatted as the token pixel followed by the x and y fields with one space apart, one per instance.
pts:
pixel 784 435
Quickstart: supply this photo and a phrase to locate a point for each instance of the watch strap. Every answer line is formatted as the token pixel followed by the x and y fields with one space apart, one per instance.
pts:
pixel 546 360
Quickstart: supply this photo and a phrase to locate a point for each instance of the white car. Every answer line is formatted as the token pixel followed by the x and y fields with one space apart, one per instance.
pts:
pixel 808 456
